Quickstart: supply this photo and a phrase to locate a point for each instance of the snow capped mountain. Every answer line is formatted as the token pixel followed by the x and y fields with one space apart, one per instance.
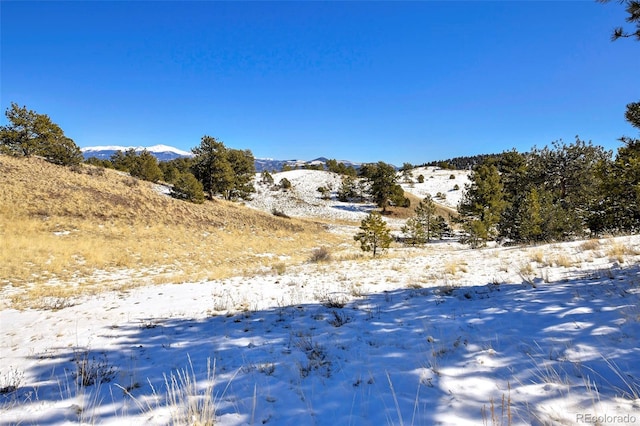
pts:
pixel 161 152
pixel 167 153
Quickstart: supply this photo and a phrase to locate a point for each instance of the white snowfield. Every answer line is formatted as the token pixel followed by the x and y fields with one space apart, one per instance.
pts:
pixel 438 335
pixel 304 200
pixel 154 148
pixel 438 181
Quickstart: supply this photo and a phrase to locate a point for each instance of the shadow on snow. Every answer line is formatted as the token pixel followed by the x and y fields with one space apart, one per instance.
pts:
pixel 443 353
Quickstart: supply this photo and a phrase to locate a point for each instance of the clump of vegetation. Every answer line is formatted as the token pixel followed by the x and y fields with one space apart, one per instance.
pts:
pixel 325 192
pixel 384 188
pixel 187 187
pixel 279 213
pixel 557 193
pixel 11 381
pixel 320 254
pixel 91 370
pixel 29 133
pixel 285 184
pixel 266 178
pixel 374 234
pixel 348 190
pixel 221 170
pixel 425 225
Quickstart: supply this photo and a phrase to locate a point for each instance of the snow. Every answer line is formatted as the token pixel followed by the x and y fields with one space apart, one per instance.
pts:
pixel 154 148
pixel 304 200
pixel 424 336
pixel 437 180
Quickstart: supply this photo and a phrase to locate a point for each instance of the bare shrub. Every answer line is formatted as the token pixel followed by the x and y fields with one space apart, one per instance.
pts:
pixel 279 213
pixel 11 381
pixel 91 370
pixel 339 319
pixel 320 254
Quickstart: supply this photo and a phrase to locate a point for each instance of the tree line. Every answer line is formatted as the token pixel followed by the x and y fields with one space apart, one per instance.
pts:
pixel 214 169
pixel 556 193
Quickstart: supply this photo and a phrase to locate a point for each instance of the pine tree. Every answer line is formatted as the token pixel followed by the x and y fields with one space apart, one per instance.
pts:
pixel 124 161
pixel 211 166
pixel 29 133
pixel 348 189
pixel 482 206
pixel 187 187
pixel 424 225
pixel 243 165
pixel 621 189
pixel 384 188
pixel 374 234
pixel 146 167
pixel 531 218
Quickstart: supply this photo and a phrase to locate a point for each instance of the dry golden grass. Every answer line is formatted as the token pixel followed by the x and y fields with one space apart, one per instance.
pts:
pixel 62 226
pixel 452 267
pixel 618 251
pixel 537 256
pixel 562 261
pixel 590 245
pixel 407 212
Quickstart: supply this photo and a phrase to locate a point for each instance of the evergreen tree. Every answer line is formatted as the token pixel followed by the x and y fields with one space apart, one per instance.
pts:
pixel 482 205
pixel 63 151
pixel 348 189
pixel 633 114
pixel 569 174
pixel 384 188
pixel 29 133
pixel 172 169
pixel 124 161
pixel 94 161
pixel 513 173
pixel 340 168
pixel 632 7
pixel 266 178
pixel 187 187
pixel 146 167
pixel 374 234
pixel 621 189
pixel 531 217
pixel 243 166
pixel 425 225
pixel 211 166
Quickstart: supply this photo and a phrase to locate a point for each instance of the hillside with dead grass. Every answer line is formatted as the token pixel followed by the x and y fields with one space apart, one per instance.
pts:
pixel 69 230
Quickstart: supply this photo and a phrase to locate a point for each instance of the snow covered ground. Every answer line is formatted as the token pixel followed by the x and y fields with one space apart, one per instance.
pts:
pixel 304 200
pixel 439 335
pixel 438 181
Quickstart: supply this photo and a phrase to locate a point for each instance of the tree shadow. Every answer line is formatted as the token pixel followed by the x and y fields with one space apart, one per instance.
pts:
pixel 437 355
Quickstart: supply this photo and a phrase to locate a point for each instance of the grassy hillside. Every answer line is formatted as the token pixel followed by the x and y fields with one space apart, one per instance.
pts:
pixel 76 227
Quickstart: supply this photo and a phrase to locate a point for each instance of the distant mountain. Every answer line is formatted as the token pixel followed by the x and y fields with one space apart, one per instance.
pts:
pixel 167 153
pixel 270 164
pixel 161 152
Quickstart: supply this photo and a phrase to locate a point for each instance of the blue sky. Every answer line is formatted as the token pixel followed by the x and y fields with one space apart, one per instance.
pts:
pixel 397 82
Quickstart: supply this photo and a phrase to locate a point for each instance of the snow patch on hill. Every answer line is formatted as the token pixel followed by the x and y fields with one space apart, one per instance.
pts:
pixel 438 181
pixel 304 200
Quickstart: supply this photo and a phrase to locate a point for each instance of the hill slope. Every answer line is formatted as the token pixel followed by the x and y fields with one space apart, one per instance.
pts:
pixel 74 225
pixel 442 334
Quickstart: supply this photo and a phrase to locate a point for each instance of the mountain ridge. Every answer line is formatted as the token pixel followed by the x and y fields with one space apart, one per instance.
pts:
pixel 168 153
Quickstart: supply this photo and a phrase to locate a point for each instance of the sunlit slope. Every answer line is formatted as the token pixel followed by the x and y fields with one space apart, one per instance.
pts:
pixel 61 225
